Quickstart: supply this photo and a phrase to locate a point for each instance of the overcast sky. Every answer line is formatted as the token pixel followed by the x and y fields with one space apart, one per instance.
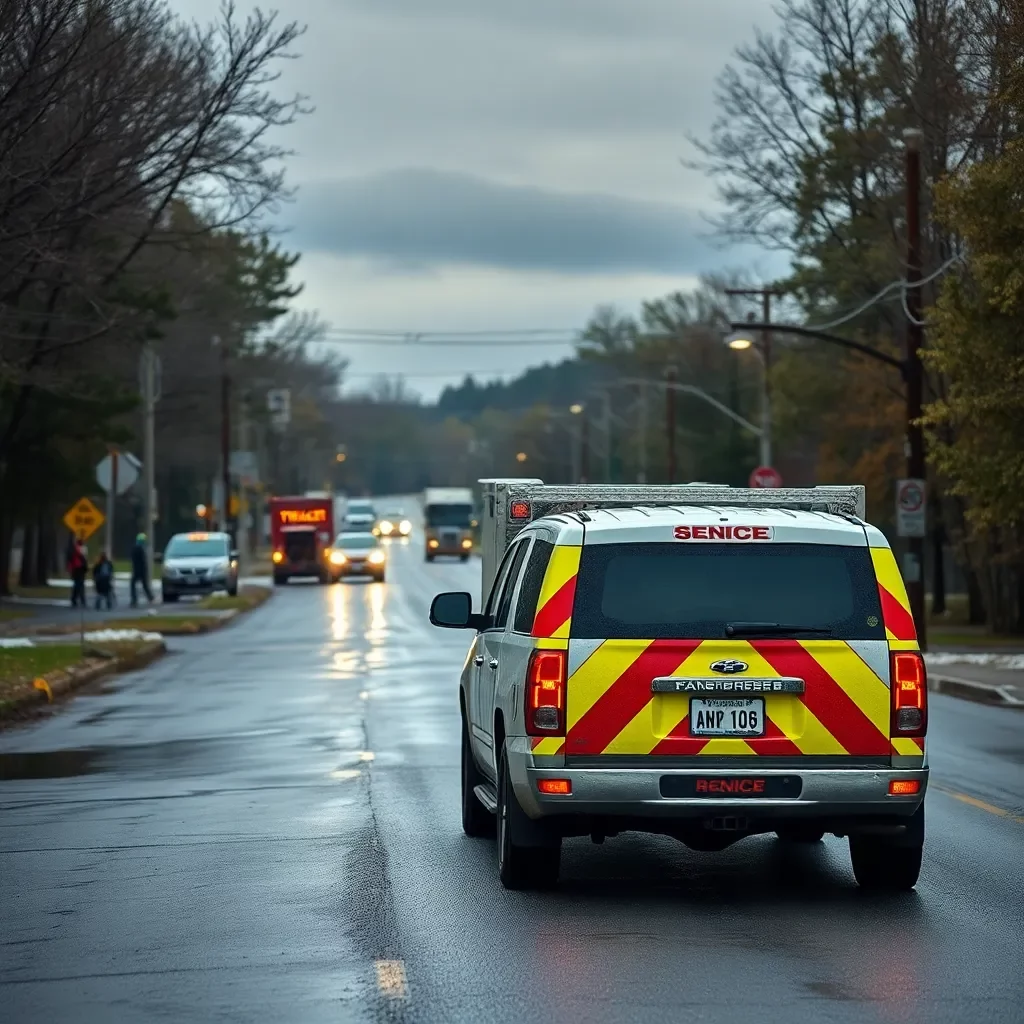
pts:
pixel 500 165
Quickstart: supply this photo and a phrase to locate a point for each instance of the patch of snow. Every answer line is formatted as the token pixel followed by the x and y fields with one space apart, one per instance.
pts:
pixel 120 635
pixel 1012 662
pixel 16 641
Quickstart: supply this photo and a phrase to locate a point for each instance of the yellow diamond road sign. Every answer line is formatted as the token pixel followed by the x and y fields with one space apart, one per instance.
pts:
pixel 83 519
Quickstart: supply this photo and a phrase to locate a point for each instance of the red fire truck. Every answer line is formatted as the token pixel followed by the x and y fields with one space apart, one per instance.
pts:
pixel 301 531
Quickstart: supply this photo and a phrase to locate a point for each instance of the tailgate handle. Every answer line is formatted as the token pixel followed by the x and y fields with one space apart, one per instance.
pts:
pixel 494 663
pixel 478 660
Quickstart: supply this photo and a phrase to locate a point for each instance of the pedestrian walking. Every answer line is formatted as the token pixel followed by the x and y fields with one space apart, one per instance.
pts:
pixel 140 570
pixel 78 567
pixel 103 581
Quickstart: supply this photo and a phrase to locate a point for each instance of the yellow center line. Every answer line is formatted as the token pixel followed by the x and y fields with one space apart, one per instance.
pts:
pixel 1001 812
pixel 391 979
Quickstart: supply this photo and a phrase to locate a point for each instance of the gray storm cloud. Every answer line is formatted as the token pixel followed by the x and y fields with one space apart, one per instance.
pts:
pixel 435 217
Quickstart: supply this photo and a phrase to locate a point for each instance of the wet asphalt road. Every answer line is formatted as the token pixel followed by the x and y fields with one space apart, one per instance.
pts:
pixel 264 826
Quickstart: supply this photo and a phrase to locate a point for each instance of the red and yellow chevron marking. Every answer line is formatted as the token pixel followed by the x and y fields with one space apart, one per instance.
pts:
pixel 907 746
pixel 554 608
pixel 611 710
pixel 899 622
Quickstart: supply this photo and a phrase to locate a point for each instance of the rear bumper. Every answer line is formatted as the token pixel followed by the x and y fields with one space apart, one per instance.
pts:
pixel 177 586
pixel 834 794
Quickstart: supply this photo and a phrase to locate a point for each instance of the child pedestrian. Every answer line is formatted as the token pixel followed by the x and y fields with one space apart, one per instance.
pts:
pixel 103 581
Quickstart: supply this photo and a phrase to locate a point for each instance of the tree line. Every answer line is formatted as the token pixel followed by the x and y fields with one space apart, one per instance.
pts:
pixel 137 160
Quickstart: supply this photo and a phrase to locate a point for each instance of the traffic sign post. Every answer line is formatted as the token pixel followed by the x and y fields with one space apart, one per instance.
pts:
pixel 116 473
pixel 765 476
pixel 911 502
pixel 83 519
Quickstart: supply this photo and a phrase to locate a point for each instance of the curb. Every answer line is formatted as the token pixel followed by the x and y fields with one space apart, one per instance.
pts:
pixel 63 683
pixel 970 689
pixel 206 624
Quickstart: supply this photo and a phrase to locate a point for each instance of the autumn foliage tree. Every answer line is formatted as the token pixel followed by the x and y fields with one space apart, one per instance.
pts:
pixel 978 345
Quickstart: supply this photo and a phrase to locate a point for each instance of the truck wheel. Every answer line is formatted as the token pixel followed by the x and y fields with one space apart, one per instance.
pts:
pixel 233 590
pixel 477 821
pixel 430 558
pixel 464 558
pixel 801 834
pixel 521 867
pixel 892 864
pixel 280 579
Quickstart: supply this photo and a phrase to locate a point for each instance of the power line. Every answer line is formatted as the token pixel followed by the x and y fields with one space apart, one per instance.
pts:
pixel 902 285
pixel 418 335
pixel 447 341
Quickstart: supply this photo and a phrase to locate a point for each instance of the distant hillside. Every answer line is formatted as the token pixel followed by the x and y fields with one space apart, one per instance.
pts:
pixel 555 385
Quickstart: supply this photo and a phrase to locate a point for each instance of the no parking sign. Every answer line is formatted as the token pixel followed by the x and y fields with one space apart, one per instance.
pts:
pixel 911 499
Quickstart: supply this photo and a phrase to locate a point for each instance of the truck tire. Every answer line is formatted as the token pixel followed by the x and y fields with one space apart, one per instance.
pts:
pixel 890 864
pixel 280 579
pixel 477 821
pixel 464 558
pixel 430 558
pixel 521 867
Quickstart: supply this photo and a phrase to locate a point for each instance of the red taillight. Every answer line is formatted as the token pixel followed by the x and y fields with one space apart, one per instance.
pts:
pixel 545 694
pixel 909 694
pixel 519 510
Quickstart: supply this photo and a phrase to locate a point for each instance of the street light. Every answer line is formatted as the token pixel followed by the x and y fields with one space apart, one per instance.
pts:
pixel 740 341
pixel 520 456
pixel 576 408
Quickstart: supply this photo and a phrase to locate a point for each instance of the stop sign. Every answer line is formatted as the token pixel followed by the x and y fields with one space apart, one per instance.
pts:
pixel 765 476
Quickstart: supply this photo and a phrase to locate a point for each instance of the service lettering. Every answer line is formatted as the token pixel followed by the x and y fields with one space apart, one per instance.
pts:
pixel 739 533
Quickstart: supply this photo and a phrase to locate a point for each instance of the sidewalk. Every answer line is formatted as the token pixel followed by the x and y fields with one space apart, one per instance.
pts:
pixel 57 611
pixel 992 678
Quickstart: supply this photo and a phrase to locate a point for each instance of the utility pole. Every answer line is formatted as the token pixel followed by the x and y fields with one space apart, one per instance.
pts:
pixel 670 421
pixel 641 476
pixel 765 295
pixel 607 436
pixel 584 446
pixel 150 381
pixel 225 435
pixel 914 566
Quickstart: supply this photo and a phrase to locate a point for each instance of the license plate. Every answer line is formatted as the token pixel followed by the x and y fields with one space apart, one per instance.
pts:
pixel 727 717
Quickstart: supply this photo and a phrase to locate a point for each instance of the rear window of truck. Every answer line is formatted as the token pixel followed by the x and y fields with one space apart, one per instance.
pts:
pixel 672 591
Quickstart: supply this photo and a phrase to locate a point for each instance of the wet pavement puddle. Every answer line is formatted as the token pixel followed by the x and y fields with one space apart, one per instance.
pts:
pixel 167 757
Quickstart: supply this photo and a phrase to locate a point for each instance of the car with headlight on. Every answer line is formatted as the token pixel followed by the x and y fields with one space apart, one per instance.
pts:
pixel 357 554
pixel 393 523
pixel 198 563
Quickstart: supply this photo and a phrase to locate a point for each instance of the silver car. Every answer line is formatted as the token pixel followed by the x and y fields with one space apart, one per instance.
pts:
pixel 199 563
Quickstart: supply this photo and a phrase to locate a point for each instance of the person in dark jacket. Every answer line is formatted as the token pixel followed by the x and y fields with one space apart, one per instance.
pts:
pixel 103 581
pixel 140 570
pixel 78 567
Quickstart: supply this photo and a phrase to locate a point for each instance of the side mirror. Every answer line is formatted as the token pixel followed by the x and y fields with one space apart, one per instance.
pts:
pixel 158 557
pixel 234 556
pixel 454 610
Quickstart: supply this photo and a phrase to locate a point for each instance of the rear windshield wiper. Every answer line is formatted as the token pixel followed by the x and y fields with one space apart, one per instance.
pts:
pixel 772 629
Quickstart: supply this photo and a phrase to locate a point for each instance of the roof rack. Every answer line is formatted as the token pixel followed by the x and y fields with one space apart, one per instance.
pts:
pixel 499 526
pixel 553 498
